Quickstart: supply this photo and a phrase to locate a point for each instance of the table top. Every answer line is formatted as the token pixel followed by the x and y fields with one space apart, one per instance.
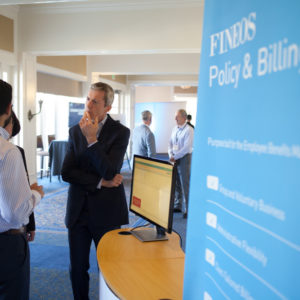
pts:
pixel 141 270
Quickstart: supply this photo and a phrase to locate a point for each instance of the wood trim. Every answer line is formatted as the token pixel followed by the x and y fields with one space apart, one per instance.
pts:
pixel 6 34
pixel 74 64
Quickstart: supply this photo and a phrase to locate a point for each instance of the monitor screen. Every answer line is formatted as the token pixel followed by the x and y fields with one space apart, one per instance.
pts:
pixel 152 191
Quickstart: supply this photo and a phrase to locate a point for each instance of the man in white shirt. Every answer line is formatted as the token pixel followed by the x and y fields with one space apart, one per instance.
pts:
pixel 17 200
pixel 143 141
pixel 180 152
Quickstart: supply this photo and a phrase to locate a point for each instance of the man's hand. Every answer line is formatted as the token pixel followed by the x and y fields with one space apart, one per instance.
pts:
pixel 116 181
pixel 172 159
pixel 38 188
pixel 30 236
pixel 89 127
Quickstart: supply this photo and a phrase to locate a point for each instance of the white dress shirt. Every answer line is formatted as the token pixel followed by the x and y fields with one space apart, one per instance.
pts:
pixel 17 200
pixel 181 141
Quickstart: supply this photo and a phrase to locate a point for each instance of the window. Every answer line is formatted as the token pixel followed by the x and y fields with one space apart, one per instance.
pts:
pixel 54 118
pixel 115 109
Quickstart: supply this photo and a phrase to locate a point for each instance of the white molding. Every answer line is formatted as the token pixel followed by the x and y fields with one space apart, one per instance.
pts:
pixel 108 5
pixel 17 2
pixel 147 74
pixel 158 82
pixel 60 73
pixel 180 96
pixel 119 52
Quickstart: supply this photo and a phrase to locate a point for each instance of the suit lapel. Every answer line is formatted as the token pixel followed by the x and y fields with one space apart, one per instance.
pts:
pixel 105 129
pixel 82 144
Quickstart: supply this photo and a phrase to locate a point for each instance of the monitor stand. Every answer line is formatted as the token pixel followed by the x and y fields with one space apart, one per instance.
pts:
pixel 150 234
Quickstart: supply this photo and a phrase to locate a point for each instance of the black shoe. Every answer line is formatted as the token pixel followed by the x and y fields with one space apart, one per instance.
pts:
pixel 176 210
pixel 184 215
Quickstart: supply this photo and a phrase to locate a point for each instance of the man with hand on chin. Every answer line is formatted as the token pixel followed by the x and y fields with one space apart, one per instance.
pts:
pixel 96 199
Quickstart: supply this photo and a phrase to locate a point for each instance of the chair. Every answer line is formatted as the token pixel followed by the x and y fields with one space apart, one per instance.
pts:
pixel 57 152
pixel 39 142
pixel 51 137
pixel 41 152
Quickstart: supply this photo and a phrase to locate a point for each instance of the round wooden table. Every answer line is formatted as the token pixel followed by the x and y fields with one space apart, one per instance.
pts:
pixel 141 270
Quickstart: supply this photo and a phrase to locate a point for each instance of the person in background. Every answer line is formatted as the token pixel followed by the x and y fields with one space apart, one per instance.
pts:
pixel 96 199
pixel 13 127
pixel 17 200
pixel 180 152
pixel 189 118
pixel 143 141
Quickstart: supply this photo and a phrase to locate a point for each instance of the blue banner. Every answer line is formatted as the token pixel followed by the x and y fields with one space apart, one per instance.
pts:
pixel 243 240
pixel 76 111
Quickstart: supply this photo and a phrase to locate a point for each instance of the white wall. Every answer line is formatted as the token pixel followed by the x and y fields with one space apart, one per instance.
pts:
pixel 153 94
pixel 163 120
pixel 170 64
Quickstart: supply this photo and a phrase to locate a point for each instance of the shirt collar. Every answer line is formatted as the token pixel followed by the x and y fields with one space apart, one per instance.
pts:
pixel 4 133
pixel 181 126
pixel 100 124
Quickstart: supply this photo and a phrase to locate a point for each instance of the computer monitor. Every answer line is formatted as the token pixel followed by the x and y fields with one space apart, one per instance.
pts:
pixel 152 196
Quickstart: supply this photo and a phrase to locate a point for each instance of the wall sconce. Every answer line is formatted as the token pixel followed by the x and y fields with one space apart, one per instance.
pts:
pixel 30 115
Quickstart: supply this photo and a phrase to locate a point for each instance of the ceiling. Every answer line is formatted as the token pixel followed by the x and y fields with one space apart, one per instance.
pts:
pixel 48 5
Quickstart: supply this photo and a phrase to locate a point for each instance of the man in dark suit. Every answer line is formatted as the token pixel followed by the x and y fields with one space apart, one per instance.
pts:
pixel 96 200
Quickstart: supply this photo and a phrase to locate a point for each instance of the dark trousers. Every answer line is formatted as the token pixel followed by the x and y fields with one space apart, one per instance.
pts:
pixel 14 267
pixel 80 239
pixel 182 185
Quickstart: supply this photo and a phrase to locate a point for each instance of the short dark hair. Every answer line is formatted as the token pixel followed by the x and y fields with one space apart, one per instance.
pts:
pixel 146 115
pixel 5 96
pixel 16 127
pixel 16 124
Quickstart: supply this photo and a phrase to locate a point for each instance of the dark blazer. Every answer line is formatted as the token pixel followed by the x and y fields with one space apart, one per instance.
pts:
pixel 31 225
pixel 84 167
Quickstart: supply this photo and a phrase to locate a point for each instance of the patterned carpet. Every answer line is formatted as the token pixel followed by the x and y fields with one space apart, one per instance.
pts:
pixel 50 252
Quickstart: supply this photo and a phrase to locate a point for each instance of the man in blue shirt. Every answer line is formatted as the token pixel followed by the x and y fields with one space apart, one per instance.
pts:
pixel 143 141
pixel 17 200
pixel 180 152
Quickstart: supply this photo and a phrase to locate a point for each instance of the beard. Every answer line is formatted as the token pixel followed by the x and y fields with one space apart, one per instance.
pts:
pixel 6 122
